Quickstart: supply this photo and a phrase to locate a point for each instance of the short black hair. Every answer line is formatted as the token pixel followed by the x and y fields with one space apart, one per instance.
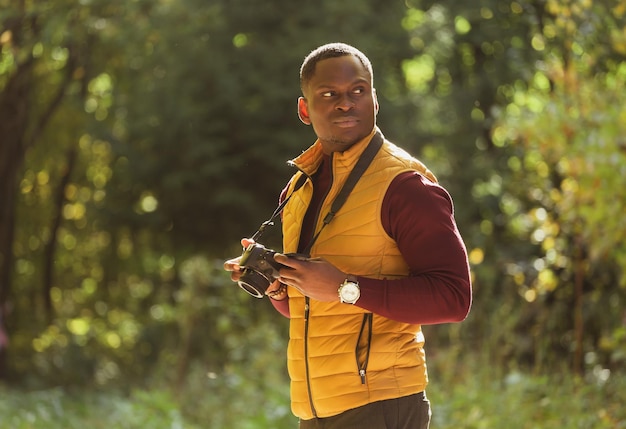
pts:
pixel 331 50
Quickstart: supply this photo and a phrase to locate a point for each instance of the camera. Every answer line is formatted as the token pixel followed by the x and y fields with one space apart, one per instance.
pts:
pixel 259 269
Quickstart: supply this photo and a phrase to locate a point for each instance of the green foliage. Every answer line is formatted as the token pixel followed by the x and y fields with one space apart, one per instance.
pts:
pixel 573 168
pixel 539 275
pixel 209 111
pixel 475 396
pixel 139 141
pixel 171 134
pixel 470 395
pixel 56 408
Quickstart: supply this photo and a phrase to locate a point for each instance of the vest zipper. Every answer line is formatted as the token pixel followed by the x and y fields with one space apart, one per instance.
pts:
pixel 307 307
pixel 362 365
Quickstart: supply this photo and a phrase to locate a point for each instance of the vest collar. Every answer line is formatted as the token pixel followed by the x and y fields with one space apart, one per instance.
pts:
pixel 311 158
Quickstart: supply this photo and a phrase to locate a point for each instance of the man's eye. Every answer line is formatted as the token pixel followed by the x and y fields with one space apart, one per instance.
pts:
pixel 328 94
pixel 359 90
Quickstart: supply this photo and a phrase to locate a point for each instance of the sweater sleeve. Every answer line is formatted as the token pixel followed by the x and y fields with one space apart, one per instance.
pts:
pixel 281 306
pixel 419 216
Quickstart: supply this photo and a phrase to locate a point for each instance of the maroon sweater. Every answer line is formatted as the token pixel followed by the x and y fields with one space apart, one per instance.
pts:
pixel 419 216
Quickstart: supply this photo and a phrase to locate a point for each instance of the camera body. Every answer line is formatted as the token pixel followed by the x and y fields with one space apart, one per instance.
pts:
pixel 259 269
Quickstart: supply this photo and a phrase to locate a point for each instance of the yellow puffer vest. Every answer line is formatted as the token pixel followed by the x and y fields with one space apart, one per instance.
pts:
pixel 339 355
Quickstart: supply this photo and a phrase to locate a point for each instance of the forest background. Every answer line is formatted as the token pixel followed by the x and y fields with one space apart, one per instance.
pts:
pixel 141 139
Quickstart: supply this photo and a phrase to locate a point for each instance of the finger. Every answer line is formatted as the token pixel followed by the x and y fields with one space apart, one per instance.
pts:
pixel 273 287
pixel 287 261
pixel 288 275
pixel 232 265
pixel 245 242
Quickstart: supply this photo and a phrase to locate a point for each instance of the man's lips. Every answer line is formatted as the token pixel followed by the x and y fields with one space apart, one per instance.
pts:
pixel 347 122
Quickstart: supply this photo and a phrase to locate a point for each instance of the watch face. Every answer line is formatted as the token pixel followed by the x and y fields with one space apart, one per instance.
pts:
pixel 350 292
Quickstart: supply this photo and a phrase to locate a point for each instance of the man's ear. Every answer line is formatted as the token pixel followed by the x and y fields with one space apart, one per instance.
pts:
pixel 375 101
pixel 303 111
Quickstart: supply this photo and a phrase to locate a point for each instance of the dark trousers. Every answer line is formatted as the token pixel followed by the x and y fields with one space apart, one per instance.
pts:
pixel 409 412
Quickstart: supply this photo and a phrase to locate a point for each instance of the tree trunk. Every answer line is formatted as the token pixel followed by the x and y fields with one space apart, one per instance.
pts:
pixel 14 106
pixel 20 129
pixel 48 274
pixel 579 328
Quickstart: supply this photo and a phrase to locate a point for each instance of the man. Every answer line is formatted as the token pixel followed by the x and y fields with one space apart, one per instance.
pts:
pixel 390 260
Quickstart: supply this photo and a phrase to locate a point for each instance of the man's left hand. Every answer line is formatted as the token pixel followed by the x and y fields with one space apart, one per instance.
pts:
pixel 315 278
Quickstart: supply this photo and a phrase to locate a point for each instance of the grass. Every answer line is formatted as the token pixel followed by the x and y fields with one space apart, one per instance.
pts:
pixel 485 398
pixel 56 408
pixel 471 400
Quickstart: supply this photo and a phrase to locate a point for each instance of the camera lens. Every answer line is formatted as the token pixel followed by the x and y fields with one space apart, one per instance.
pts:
pixel 254 283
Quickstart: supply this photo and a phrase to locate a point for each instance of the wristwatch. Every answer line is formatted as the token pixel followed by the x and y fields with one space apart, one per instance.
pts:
pixel 349 291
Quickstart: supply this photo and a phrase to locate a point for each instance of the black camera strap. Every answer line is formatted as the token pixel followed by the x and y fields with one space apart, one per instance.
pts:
pixel 279 209
pixel 364 161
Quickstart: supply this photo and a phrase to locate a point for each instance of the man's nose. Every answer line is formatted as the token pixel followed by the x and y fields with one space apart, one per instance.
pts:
pixel 345 102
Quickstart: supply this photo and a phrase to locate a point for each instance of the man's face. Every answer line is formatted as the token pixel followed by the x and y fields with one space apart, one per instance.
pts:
pixel 339 102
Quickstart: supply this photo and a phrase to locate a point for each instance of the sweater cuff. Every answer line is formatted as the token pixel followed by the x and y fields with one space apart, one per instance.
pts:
pixel 372 294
